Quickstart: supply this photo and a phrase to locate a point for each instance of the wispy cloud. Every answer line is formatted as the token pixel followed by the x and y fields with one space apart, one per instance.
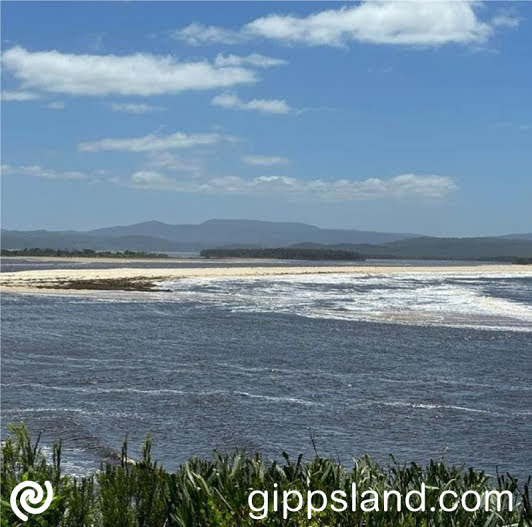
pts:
pixel 404 186
pixel 135 108
pixel 56 105
pixel 150 179
pixel 276 106
pixel 167 173
pixel 264 161
pixel 98 75
pixel 154 142
pixel 505 20
pixel 198 34
pixel 256 60
pixel 19 96
pixel 40 172
pixel 415 23
pixel 169 162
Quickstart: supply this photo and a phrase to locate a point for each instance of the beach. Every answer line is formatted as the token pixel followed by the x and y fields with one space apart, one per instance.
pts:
pixel 115 278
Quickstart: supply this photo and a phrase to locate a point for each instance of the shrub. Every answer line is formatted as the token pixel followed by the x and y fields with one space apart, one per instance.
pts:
pixel 214 493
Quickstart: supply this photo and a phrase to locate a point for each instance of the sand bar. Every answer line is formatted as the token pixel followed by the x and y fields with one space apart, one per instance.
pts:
pixel 53 279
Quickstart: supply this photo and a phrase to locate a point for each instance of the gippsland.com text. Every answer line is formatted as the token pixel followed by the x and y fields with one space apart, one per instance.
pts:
pixel 263 503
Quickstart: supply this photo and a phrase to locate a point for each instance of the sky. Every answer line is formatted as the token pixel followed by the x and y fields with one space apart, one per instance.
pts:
pixel 376 115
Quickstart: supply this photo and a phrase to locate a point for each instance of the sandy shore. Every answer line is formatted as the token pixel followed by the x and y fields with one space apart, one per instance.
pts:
pixel 94 279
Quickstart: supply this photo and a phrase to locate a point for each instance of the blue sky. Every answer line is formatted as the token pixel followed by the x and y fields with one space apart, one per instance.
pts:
pixel 393 116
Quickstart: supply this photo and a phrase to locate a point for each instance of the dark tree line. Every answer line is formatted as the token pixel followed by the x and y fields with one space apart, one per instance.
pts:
pixel 284 253
pixel 81 253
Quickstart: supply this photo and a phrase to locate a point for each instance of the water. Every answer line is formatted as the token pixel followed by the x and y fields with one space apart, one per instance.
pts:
pixel 414 365
pixel 16 264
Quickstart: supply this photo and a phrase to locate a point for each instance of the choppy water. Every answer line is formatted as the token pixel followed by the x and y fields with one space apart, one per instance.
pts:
pixel 410 365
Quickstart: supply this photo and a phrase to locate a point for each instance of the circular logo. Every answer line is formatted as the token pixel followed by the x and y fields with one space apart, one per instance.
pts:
pixel 29 494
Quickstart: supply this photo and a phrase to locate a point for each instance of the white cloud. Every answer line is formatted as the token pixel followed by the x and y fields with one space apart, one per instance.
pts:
pixel 379 22
pixel 412 23
pixel 151 179
pixel 153 142
pixel 135 108
pixel 161 160
pixel 505 20
pixel 56 105
pixel 198 34
pixel 19 96
pixel 264 161
pixel 137 74
pixel 40 172
pixel 399 187
pixel 277 106
pixel 259 61
pixel 168 174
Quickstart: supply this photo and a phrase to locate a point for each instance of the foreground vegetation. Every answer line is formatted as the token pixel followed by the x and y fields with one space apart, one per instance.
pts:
pixel 215 492
pixel 284 253
pixel 84 253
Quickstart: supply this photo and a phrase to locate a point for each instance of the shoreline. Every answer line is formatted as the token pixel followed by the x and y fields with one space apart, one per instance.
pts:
pixel 101 259
pixel 144 279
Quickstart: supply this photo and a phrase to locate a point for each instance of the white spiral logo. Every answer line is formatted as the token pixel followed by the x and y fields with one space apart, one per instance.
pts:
pixel 33 493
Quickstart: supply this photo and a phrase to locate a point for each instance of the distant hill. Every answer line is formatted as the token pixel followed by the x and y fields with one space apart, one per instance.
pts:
pixel 82 240
pixel 525 236
pixel 261 233
pixel 155 236
pixel 425 247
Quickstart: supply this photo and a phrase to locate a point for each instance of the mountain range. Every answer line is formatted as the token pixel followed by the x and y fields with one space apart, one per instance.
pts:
pixel 163 237
pixel 155 235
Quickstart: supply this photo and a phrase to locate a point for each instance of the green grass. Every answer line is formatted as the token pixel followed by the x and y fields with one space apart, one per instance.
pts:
pixel 214 492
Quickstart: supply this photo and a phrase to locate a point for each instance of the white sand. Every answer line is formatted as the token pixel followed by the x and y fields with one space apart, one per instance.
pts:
pixel 38 280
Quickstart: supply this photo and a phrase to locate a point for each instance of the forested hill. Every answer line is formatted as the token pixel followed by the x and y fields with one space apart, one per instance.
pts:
pixel 284 253
pixel 484 248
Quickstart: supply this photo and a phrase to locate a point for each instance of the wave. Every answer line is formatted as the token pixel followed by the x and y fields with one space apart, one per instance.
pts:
pixel 95 390
pixel 424 299
pixel 83 411
pixel 498 301
pixel 276 399
pixel 431 406
pixel 154 392
pixel 238 393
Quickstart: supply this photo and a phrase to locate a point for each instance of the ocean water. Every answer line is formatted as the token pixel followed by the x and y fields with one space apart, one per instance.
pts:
pixel 418 365
pixel 15 264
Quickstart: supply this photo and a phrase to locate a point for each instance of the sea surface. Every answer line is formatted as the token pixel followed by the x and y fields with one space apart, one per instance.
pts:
pixel 419 365
pixel 15 264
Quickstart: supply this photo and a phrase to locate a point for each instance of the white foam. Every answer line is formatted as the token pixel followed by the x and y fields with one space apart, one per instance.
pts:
pixel 427 406
pixel 279 399
pixel 83 411
pixel 455 300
